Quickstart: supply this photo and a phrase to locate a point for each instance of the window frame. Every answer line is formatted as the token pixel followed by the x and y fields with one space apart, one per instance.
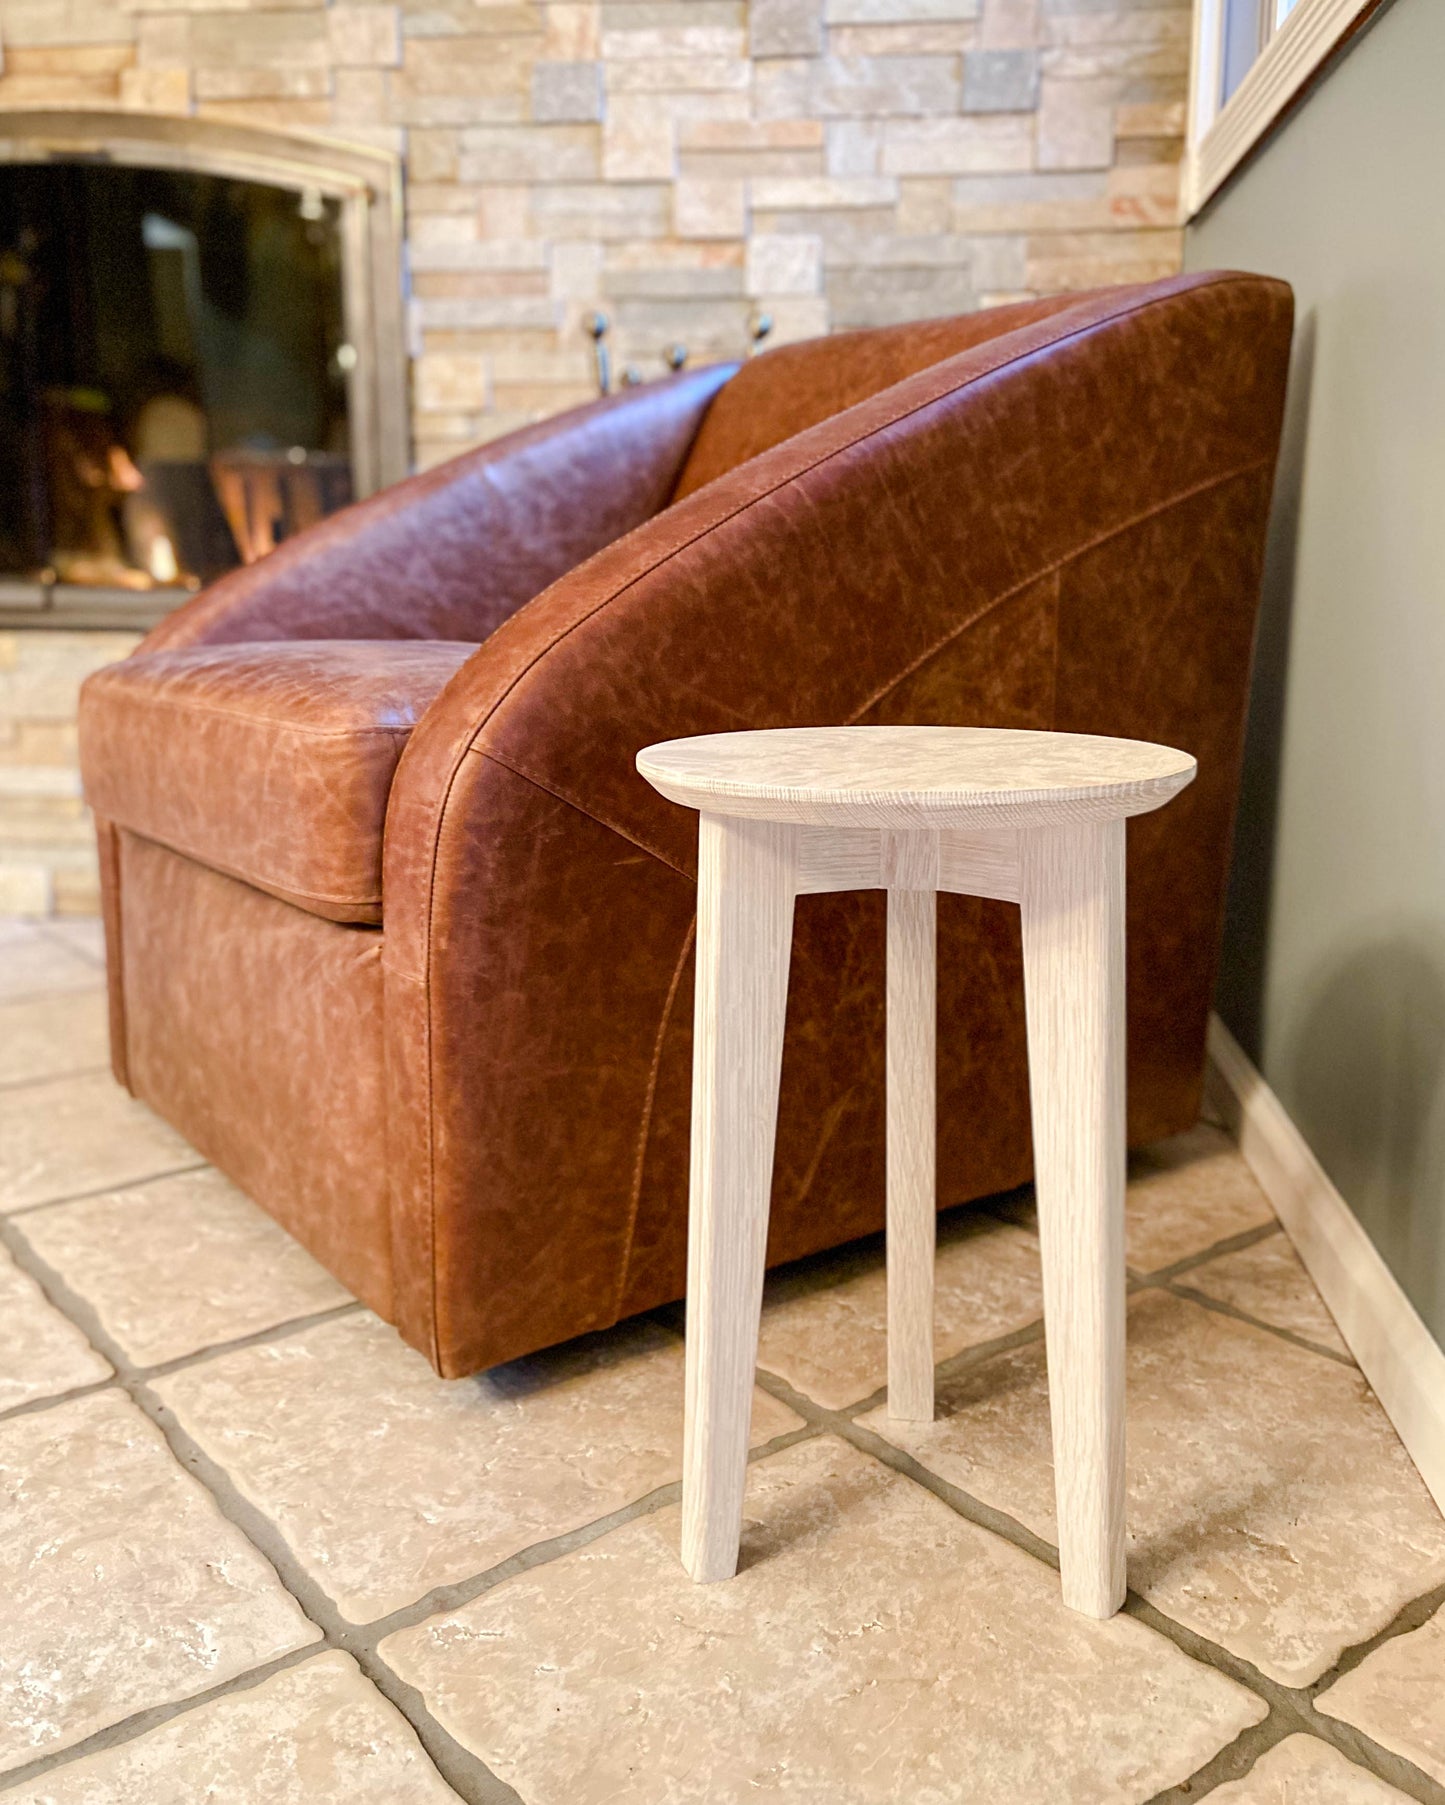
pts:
pixel 1221 135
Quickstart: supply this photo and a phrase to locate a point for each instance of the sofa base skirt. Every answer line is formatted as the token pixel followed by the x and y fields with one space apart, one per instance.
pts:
pixel 489 1206
pixel 255 1029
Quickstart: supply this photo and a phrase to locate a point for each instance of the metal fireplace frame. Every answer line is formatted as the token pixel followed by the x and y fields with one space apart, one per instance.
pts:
pixel 367 184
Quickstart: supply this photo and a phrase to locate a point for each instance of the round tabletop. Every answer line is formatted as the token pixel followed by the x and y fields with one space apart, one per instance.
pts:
pixel 905 777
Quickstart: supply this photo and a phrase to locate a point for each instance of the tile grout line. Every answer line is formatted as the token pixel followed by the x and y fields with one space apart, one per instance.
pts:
pixel 966 1360
pixel 669 1315
pixel 276 1331
pixel 464 1772
pixel 821 1419
pixel 868 1441
pixel 1290 1706
pixel 1232 1762
pixel 76 1071
pixel 52 1400
pixel 1360 1751
pixel 361 1641
pixel 817 1418
pixel 213 1350
pixel 1220 1308
pixel 124 1184
pixel 1217 1250
pixel 482 1786
pixel 456 1594
pixel 1410 1616
pixel 153 1717
pixel 1292 1710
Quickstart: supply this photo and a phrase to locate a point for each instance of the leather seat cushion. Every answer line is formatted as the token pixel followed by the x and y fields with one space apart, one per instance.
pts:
pixel 271 762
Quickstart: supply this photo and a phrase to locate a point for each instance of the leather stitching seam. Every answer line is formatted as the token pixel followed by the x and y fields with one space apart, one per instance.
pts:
pixel 115 966
pixel 433 1326
pixel 424 979
pixel 939 646
pixel 644 1129
pixel 1056 568
pixel 287 893
pixel 1054 674
pixel 541 783
pixel 280 724
pixel 664 1020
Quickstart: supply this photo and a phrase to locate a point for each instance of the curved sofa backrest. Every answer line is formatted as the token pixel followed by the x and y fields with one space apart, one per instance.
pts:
pixel 875 566
pixel 784 392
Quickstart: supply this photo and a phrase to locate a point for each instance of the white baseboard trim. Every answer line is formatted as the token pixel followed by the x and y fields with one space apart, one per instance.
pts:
pixel 1402 1361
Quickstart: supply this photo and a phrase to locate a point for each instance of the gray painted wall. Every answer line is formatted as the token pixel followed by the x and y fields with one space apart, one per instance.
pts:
pixel 1334 966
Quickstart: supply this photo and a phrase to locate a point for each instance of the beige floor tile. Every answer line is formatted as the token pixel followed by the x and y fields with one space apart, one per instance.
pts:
pixel 68 1135
pixel 825 1322
pixel 81 933
pixel 318 1734
pixel 1187 1193
pixel 874 1647
pixel 41 1351
pixel 123 1585
pixel 387 1481
pixel 1271 1507
pixel 180 1264
pixel 33 963
pixel 1268 1281
pixel 1301 1770
pixel 45 1037
pixel 1397 1696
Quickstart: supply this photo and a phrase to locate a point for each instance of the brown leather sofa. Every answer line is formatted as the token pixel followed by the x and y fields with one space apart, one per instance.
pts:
pixel 399 939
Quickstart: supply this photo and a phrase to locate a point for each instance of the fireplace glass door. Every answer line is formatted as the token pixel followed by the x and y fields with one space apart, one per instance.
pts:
pixel 173 374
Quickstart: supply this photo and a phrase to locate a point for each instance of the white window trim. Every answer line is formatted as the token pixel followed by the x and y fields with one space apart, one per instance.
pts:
pixel 1220 136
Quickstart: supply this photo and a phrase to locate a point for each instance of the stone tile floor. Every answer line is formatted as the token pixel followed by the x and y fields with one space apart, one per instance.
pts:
pixel 253 1549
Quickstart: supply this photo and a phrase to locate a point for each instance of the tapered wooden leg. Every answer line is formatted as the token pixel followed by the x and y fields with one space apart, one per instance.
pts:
pixel 912 1230
pixel 746 880
pixel 1072 899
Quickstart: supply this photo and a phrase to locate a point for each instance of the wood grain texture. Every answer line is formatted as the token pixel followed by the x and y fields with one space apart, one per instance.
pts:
pixel 911 1154
pixel 746 879
pixel 971 777
pixel 909 860
pixel 839 858
pixel 1036 818
pixel 973 862
pixel 980 862
pixel 1072 883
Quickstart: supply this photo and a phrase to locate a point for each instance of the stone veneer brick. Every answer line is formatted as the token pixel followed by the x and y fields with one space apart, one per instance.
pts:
pixel 686 165
pixel 553 147
pixel 47 851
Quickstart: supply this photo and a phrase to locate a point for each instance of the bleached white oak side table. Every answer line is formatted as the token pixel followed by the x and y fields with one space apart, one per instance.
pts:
pixel 1032 818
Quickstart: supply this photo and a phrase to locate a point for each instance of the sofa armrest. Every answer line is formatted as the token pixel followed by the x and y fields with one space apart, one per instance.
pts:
pixel 450 553
pixel 1060 528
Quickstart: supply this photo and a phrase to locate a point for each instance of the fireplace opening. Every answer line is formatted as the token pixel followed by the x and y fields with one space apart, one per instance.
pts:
pixel 173 374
